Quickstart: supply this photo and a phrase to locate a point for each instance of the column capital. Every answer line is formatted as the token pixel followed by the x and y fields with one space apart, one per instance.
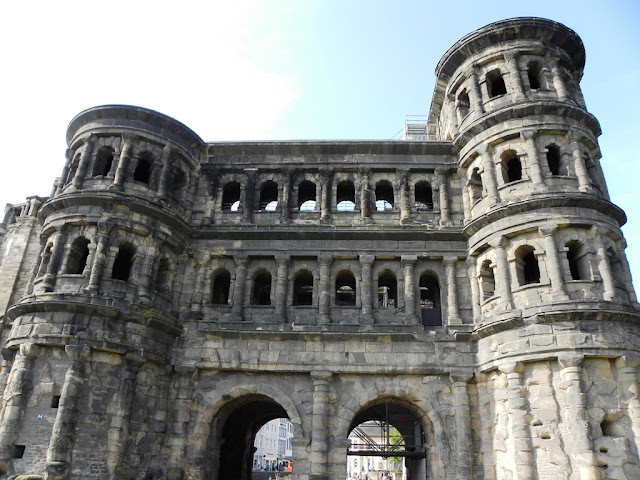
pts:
pixel 30 350
pixel 106 226
pixel 282 259
pixel 134 361
pixel 461 375
pixel 441 171
pixel 573 136
pixel 325 259
pixel 321 376
pixel 241 259
pixel 512 367
pixel 529 134
pixel 498 242
pixel 627 362
pixel 185 369
pixel 408 259
pixel 8 354
pixel 472 260
pixel 78 352
pixel 93 138
pixel 484 149
pixel 450 261
pixel 130 138
pixel 367 259
pixel 511 55
pixel 570 360
pixel 548 230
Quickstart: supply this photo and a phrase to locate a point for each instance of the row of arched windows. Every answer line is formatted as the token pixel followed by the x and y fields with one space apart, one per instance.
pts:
pixel 384 197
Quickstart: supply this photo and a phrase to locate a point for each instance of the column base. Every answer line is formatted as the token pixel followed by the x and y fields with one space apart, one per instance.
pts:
pixel 56 470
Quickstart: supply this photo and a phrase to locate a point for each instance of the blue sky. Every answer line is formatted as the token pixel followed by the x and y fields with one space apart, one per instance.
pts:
pixel 266 70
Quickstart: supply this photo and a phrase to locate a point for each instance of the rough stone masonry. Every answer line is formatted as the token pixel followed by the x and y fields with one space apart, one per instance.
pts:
pixel 172 295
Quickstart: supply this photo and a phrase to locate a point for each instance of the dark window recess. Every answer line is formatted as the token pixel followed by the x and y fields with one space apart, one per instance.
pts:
pixel 553 159
pixel 345 289
pixel 221 283
pixel 531 270
pixel 122 263
pixel 55 401
pixel 18 451
pixel 104 160
pixel 262 289
pixel 424 197
pixel 534 81
pixel 78 255
pixel 230 196
pixel 143 169
pixel 496 84
pixel 303 288
pixel 514 170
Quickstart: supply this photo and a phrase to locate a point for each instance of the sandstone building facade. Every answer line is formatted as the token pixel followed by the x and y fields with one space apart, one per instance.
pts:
pixel 171 296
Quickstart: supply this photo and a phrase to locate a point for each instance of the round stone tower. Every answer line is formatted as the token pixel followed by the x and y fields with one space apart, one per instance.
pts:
pixel 545 245
pixel 113 234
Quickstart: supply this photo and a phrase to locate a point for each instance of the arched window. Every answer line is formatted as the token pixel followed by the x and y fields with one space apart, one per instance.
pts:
pixel 163 277
pixel 430 299
pixel 307 196
pixel 462 104
pixel 345 288
pixel 424 197
pixel 142 172
pixel 495 84
pixel 387 290
pixel 553 159
pixel 578 263
pixel 78 254
pixel 534 75
pixel 123 262
pixel 475 185
pixel 220 287
pixel 269 196
pixel 104 160
pixel 487 280
pixel 303 288
pixel 527 265
pixel 511 167
pixel 231 197
pixel 179 184
pixel 384 196
pixel 346 196
pixel 261 294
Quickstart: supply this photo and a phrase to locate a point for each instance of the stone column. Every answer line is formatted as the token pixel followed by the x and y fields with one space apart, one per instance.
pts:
pixel 64 428
pixel 475 96
pixel 128 141
pixel 177 442
pixel 165 172
pixel 285 211
pixel 120 410
pixel 408 262
pixel 7 361
pixel 249 195
pixel 83 164
pixel 511 60
pixel 558 288
pixel 603 264
pixel 200 259
pixel 325 196
pixel 630 394
pixel 100 257
pixel 462 417
pixel 502 276
pixel 147 274
pixel 365 288
pixel 238 287
pixel 60 183
pixel 319 433
pixel 519 431
pixel 212 192
pixel 56 259
pixel 533 159
pixel 475 290
pixel 15 398
pixel 466 201
pixel 453 317
pixel 405 204
pixel 365 196
pixel 577 438
pixel 558 82
pixel 324 292
pixel 584 181
pixel 489 177
pixel 281 287
pixel 445 220
pixel 628 281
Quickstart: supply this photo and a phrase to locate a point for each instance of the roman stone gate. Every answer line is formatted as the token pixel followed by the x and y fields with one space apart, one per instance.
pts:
pixel 466 285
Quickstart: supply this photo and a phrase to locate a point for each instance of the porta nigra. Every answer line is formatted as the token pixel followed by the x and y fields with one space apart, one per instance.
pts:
pixel 468 284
